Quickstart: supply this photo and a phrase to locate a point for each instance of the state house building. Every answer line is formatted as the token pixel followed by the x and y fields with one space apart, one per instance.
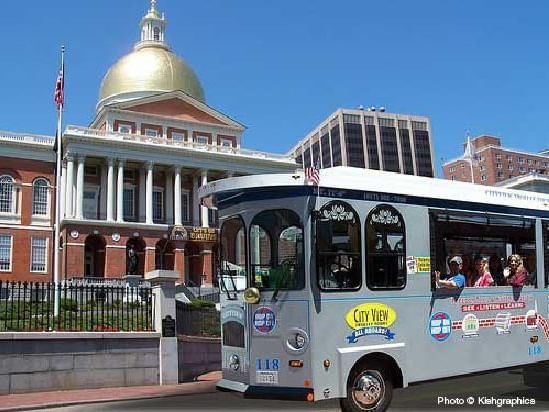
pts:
pixel 130 179
pixel 369 139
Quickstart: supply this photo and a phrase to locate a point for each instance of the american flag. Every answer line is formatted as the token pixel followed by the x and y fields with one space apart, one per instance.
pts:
pixel 59 94
pixel 311 175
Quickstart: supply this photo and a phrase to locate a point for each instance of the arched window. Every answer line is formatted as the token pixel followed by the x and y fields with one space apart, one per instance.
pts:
pixel 156 34
pixel 276 250
pixel 232 258
pixel 6 194
pixel 385 248
pixel 338 257
pixel 40 197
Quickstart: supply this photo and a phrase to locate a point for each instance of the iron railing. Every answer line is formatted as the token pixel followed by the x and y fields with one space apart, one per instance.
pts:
pixel 29 306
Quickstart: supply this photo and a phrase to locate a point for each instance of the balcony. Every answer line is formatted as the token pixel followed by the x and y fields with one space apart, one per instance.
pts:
pixel 162 141
pixel 27 138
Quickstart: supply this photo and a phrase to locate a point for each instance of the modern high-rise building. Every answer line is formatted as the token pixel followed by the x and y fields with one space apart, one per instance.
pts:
pixel 494 163
pixel 372 139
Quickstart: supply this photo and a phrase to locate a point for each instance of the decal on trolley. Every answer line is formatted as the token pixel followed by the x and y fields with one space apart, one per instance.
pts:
pixel 470 325
pixel 264 320
pixel 266 370
pixel 370 319
pixel 440 326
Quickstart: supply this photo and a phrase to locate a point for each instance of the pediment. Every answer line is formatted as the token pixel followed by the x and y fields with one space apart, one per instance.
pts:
pixel 178 109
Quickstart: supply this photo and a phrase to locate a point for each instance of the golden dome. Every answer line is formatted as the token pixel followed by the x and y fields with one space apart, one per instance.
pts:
pixel 149 69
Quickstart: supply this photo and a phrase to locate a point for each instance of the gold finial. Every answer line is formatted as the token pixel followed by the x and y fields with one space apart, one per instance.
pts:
pixel 153 5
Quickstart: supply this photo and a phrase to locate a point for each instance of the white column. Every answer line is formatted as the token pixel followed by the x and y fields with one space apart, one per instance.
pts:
pixel 168 204
pixel 196 205
pixel 120 192
pixel 63 199
pixel 110 189
pixel 149 194
pixel 204 209
pixel 69 209
pixel 177 195
pixel 142 199
pixel 103 193
pixel 80 188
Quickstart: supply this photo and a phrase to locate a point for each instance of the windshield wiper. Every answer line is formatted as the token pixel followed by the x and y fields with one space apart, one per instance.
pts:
pixel 224 286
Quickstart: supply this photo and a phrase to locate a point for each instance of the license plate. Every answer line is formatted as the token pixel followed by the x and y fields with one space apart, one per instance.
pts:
pixel 266 376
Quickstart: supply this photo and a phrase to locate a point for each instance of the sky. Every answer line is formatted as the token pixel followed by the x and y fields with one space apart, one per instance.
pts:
pixel 281 67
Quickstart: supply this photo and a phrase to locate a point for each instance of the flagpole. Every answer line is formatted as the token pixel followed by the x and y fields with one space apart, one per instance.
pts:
pixel 59 158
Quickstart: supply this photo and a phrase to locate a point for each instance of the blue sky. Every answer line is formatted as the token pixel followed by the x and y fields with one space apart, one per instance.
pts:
pixel 281 67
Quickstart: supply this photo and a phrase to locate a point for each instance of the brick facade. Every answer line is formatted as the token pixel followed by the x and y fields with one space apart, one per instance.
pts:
pixel 495 163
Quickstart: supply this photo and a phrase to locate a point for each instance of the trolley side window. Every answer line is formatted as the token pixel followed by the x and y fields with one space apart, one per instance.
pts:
pixel 546 251
pixel 386 249
pixel 480 236
pixel 276 250
pixel 338 257
pixel 232 273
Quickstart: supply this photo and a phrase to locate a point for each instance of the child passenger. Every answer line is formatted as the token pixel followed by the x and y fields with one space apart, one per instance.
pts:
pixel 481 276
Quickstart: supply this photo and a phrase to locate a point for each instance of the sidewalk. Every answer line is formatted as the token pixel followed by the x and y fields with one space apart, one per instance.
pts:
pixel 24 401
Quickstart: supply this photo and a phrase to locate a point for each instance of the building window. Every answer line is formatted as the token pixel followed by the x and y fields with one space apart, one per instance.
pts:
pixel 482 168
pixel 226 143
pixel 129 175
pixel 509 158
pixel 185 206
pixel 124 128
pixel 40 197
pixel 178 137
pixel 6 194
pixel 462 165
pixel 521 160
pixel 5 253
pixel 453 178
pixel 156 34
pixel 39 254
pixel 499 166
pixel 90 170
pixel 522 169
pixel 129 202
pixel 483 178
pixel 452 169
pixel 151 132
pixel 510 167
pixel 158 204
pixel 530 161
pixel 481 158
pixel 498 157
pixel 500 175
pixel 201 140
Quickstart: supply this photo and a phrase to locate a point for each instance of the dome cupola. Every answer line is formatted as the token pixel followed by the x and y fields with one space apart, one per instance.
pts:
pixel 150 68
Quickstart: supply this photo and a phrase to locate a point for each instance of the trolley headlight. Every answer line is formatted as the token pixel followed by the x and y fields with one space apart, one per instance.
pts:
pixel 296 340
pixel 234 362
pixel 252 295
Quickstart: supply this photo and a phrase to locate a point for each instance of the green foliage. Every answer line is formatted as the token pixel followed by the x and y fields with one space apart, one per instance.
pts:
pixel 199 304
pixel 70 305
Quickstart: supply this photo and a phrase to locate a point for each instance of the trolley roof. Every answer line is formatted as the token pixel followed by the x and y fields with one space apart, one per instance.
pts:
pixel 351 178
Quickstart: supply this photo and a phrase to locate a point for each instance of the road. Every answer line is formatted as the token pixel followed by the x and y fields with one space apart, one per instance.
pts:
pixel 483 388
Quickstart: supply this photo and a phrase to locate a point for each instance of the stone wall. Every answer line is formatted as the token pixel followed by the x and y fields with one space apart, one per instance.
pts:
pixel 43 361
pixel 197 355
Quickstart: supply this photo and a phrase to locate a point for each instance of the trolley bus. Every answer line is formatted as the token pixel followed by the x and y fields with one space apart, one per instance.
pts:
pixel 328 290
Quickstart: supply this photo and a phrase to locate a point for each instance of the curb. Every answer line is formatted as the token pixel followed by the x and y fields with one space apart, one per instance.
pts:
pixel 184 389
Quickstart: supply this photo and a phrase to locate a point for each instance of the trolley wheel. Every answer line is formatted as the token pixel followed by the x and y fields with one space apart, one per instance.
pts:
pixel 369 388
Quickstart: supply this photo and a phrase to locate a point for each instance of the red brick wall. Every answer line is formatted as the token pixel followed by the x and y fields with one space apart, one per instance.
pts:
pixel 25 171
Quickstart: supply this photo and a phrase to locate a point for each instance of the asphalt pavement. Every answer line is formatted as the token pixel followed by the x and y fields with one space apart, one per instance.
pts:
pixel 479 392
